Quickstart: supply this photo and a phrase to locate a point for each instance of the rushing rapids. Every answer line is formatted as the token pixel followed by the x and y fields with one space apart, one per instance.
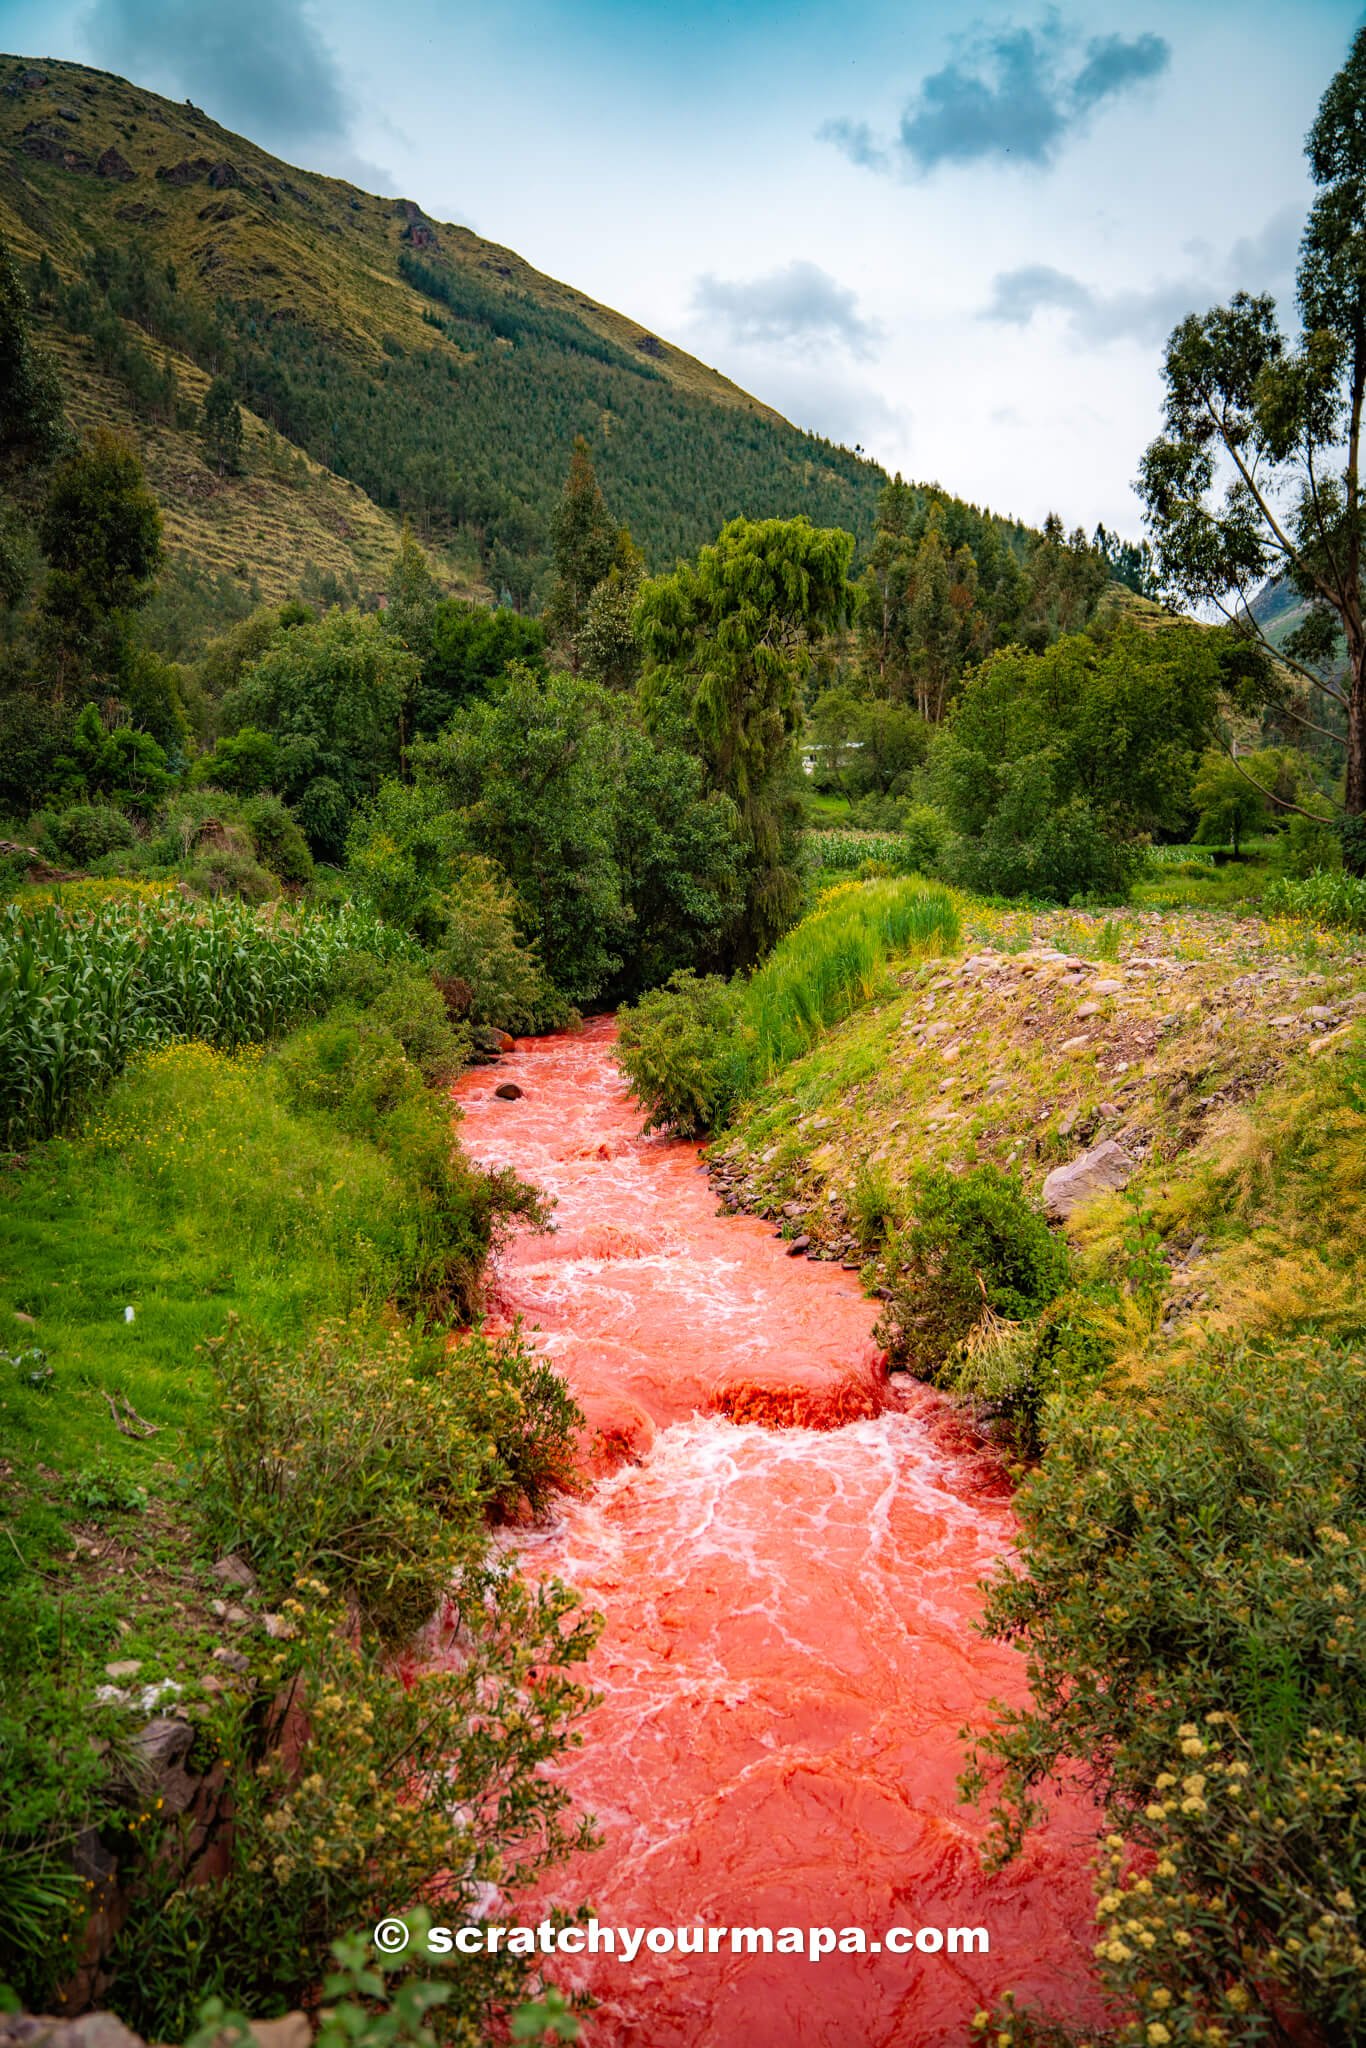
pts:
pixel 788 1556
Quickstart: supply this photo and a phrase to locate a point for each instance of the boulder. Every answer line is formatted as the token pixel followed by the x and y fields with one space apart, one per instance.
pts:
pixel 508 1091
pixel 1100 1171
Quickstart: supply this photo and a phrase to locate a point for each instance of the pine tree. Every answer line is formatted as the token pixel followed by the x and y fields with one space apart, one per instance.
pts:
pixel 221 428
pixel 586 545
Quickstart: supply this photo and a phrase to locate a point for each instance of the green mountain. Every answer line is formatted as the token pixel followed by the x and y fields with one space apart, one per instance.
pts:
pixel 390 365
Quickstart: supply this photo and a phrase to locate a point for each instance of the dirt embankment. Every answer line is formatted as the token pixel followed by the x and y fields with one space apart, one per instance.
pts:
pixel 1031 1053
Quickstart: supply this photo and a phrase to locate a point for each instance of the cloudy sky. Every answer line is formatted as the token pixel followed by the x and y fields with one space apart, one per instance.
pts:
pixel 955 237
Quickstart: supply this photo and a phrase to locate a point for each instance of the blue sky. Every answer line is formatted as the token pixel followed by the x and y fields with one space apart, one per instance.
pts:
pixel 956 237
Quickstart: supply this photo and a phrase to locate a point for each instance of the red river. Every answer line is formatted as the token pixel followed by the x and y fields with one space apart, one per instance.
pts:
pixel 788 1555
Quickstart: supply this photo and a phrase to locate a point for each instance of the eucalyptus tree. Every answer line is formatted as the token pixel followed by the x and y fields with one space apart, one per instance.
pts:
pixel 1258 473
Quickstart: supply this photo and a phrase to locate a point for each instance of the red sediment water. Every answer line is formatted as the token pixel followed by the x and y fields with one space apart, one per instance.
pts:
pixel 788 1562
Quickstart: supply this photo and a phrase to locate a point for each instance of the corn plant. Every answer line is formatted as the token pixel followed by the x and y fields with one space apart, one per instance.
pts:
pixel 1328 896
pixel 81 992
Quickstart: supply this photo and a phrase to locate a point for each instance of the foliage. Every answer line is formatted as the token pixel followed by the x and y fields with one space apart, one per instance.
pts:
pixel 31 423
pixel 124 766
pixel 1257 473
pixel 82 833
pixel 279 843
pixel 359 1788
pixel 78 996
pixel 372 1464
pixel 101 533
pixel 481 955
pixel 606 835
pixel 221 427
pixel 585 545
pixel 680 1048
pixel 470 648
pixel 1052 765
pixel 978 1253
pixel 727 642
pixel 1193 1606
pixel 1329 897
pixel 332 692
pixel 693 1049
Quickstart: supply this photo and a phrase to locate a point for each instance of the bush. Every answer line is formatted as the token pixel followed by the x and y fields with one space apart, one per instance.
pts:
pixel 1193 1603
pixel 481 946
pixel 693 1048
pixel 410 1005
pixel 370 1465
pixel 1063 854
pixel 680 1048
pixel 360 1786
pixel 279 843
pixel 83 833
pixel 979 1255
pixel 353 1068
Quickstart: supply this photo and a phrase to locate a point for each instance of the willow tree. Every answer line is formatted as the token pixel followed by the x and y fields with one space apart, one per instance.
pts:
pixel 1258 473
pixel 727 642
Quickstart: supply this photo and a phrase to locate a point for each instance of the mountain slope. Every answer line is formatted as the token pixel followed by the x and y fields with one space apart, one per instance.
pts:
pixel 378 351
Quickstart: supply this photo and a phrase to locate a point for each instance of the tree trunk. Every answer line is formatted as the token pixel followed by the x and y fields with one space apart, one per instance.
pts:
pixel 1356 733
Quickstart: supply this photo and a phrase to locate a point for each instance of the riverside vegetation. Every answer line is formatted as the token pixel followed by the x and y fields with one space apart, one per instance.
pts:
pixel 1037 997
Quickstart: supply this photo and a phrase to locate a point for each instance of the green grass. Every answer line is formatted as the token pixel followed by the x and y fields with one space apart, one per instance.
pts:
pixel 834 961
pixel 191 1192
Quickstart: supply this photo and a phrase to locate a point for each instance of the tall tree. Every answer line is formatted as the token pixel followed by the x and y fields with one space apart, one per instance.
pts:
pixel 1259 471
pixel 32 428
pixel 586 545
pixel 101 532
pixel 221 427
pixel 728 642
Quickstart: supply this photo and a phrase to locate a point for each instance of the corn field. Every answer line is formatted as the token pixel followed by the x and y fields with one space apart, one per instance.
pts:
pixel 81 993
pixel 1326 897
pixel 845 852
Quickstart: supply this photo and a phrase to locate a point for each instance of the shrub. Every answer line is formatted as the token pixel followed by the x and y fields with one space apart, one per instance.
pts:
pixel 369 1463
pixel 354 1069
pixel 680 1049
pixel 1192 1599
pixel 230 871
pixel 279 843
pixel 409 1003
pixel 1033 847
pixel 978 1255
pixel 361 1786
pixel 693 1048
pixel 83 833
pixel 480 945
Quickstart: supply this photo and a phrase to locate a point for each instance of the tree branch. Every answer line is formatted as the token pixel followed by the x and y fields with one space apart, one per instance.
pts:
pixel 1287 546
pixel 1282 803
pixel 1290 661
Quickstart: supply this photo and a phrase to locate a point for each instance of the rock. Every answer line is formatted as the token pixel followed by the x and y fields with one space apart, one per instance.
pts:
pixel 278 1628
pixel 20 1316
pixel 112 165
pixel 1075 1044
pixel 91 2030
pixel 1086 1010
pixel 508 1091
pixel 233 1659
pixel 1103 1169
pixel 293 2031
pixel 234 1571
pixel 236 1617
pixel 1107 988
pixel 504 1040
pixel 798 1246
pixel 1329 1040
pixel 129 1668
pixel 1319 1013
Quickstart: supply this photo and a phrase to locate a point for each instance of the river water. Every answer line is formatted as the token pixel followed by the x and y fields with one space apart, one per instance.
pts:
pixel 787 1554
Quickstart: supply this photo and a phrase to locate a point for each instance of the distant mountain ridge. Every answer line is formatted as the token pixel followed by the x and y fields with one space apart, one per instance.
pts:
pixel 390 365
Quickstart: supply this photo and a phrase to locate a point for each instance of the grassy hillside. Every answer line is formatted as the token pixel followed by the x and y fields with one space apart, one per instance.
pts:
pixel 383 356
